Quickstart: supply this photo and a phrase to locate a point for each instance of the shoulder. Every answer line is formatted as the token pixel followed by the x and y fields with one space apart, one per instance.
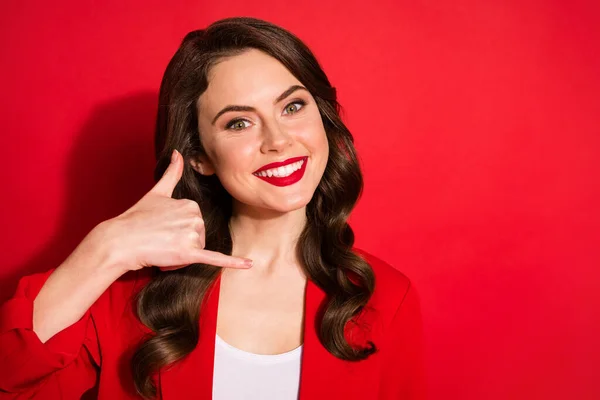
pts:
pixel 391 284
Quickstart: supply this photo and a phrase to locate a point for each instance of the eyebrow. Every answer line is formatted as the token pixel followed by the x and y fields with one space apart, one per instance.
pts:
pixel 282 96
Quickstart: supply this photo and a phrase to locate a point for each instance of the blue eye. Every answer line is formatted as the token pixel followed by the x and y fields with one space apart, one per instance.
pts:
pixel 236 122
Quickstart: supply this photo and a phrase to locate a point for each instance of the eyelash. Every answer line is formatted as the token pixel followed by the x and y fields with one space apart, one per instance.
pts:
pixel 232 122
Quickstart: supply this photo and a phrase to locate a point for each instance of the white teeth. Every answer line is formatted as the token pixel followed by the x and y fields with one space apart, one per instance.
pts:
pixel 282 171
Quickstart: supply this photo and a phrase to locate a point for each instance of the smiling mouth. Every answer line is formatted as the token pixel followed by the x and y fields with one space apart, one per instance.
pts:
pixel 285 175
pixel 278 164
pixel 281 172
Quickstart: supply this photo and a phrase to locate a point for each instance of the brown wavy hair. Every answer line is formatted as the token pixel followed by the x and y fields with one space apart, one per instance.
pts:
pixel 170 303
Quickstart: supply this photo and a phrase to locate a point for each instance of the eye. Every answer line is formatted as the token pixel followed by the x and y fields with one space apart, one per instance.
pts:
pixel 236 123
pixel 294 109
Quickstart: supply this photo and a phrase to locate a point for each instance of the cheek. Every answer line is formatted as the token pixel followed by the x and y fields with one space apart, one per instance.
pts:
pixel 319 145
pixel 312 132
pixel 235 154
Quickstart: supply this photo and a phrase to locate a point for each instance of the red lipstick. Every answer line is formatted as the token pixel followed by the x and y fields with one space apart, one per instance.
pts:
pixel 286 180
pixel 280 164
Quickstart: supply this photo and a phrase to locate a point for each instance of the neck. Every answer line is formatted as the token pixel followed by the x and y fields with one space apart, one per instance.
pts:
pixel 268 237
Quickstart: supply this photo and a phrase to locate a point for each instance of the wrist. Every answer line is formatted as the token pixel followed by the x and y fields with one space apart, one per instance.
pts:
pixel 101 244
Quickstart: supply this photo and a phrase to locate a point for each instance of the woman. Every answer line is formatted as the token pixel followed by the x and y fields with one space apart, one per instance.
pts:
pixel 160 302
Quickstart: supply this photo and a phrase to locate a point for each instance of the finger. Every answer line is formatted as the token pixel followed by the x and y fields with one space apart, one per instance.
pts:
pixel 213 258
pixel 219 259
pixel 172 175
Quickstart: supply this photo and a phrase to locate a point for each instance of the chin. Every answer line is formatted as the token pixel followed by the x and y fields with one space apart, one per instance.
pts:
pixel 286 207
pixel 272 206
pixel 292 208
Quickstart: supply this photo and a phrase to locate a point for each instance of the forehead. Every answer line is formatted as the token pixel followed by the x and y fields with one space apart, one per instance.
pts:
pixel 250 78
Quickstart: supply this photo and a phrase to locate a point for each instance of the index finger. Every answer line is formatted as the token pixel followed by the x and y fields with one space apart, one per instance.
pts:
pixel 220 260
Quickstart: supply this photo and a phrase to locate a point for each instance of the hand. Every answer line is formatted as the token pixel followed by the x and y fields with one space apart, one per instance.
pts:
pixel 164 232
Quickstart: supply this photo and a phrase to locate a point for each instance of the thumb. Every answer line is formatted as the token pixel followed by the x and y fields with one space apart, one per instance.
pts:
pixel 172 175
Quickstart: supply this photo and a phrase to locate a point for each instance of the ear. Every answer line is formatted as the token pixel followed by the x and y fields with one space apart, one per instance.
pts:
pixel 202 165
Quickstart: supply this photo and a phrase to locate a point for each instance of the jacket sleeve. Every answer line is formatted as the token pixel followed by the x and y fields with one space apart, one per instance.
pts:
pixel 64 367
pixel 403 371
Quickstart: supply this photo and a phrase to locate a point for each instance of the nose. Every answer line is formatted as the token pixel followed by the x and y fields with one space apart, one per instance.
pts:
pixel 275 138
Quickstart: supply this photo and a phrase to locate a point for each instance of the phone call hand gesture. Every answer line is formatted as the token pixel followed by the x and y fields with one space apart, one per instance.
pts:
pixel 164 232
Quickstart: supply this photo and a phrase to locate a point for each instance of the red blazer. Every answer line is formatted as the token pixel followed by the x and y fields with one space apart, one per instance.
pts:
pixel 91 357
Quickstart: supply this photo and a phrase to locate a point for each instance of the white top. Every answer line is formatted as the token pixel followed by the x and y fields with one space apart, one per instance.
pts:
pixel 239 375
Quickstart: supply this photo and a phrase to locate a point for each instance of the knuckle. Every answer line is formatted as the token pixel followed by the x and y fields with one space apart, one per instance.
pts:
pixel 192 206
pixel 198 222
pixel 193 237
pixel 196 240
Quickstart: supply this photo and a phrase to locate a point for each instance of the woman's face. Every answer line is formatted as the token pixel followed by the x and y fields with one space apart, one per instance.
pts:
pixel 264 129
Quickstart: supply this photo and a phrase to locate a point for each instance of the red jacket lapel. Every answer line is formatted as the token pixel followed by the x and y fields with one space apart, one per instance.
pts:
pixel 323 376
pixel 192 377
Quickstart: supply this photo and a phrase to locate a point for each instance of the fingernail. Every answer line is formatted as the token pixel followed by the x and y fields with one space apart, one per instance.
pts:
pixel 174 156
pixel 248 262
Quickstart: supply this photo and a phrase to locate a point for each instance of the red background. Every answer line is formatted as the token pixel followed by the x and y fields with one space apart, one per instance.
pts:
pixel 477 123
